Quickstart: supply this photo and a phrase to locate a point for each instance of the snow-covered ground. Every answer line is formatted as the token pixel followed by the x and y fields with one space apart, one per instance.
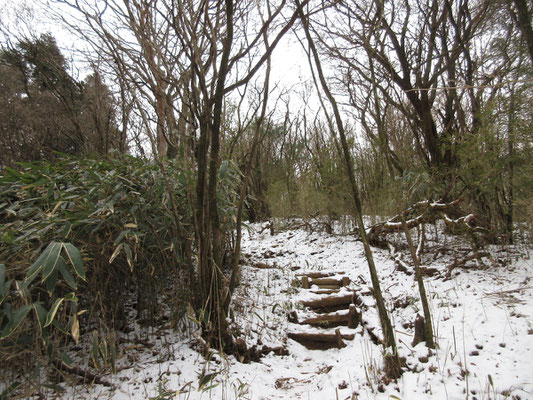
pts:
pixel 482 317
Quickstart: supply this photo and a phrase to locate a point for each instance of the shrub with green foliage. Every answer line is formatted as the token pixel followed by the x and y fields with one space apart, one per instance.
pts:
pixel 79 239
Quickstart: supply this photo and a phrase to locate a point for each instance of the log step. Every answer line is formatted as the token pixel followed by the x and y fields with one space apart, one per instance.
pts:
pixel 330 303
pixel 325 283
pixel 350 319
pixel 321 341
pixel 319 274
pixel 325 291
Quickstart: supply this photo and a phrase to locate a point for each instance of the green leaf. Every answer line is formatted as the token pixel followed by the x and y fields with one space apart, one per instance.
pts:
pixel 94 351
pixel 4 288
pixel 111 206
pixel 66 359
pixel 71 297
pixel 60 326
pixel 11 211
pixel 54 387
pixel 13 172
pixel 51 281
pixel 102 350
pixel 22 290
pixel 208 388
pixel 121 236
pixel 13 324
pixel 129 257
pixel 205 379
pixel 113 352
pixel 36 267
pixel 51 260
pixel 8 237
pixel 41 313
pixel 67 229
pixel 52 313
pixel 2 276
pixel 75 258
pixel 67 276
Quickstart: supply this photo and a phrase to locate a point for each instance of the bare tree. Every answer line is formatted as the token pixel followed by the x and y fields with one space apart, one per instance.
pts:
pixel 420 52
pixel 431 65
pixel 183 57
pixel 393 364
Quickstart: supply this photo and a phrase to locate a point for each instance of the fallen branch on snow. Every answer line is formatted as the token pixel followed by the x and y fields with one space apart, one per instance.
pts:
pixel 430 212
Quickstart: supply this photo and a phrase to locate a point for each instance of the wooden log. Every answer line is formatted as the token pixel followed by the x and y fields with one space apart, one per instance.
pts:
pixel 340 343
pixel 429 212
pixel 252 353
pixel 319 336
pixel 330 287
pixel 329 282
pixel 420 332
pixel 321 341
pixel 353 317
pixel 428 271
pixel 292 316
pixel 262 265
pixel 325 291
pixel 330 301
pixel 277 350
pixel 316 274
pixel 350 319
pixel 461 263
pixel 327 320
pixel 326 281
pixel 84 375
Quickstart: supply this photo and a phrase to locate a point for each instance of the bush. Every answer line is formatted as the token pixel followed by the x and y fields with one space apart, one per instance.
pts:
pixel 80 240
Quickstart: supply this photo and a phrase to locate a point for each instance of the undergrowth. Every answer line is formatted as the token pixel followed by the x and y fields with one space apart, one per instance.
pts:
pixel 79 239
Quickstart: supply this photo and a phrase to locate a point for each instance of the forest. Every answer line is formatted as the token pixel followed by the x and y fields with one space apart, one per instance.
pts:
pixel 170 190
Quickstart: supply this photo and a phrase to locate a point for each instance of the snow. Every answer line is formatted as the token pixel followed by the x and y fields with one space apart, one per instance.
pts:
pixel 483 320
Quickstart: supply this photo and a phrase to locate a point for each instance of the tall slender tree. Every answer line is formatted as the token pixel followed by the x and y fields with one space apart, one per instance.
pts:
pixel 394 366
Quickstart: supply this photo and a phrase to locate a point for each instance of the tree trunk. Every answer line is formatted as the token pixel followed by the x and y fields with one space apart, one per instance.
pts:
pixel 428 328
pixel 386 325
pixel 524 23
pixel 211 236
pixel 509 199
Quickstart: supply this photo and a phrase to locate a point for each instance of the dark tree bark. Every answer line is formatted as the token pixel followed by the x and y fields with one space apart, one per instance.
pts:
pixel 524 23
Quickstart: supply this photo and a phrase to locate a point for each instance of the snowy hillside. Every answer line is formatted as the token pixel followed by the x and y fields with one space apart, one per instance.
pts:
pixel 482 317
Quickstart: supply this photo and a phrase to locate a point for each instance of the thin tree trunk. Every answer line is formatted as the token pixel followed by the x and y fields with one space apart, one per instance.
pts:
pixel 428 327
pixel 244 185
pixel 510 168
pixel 386 325
pixel 212 244
pixel 524 23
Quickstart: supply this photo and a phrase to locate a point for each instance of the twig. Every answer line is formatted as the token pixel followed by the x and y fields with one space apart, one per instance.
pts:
pixel 86 376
